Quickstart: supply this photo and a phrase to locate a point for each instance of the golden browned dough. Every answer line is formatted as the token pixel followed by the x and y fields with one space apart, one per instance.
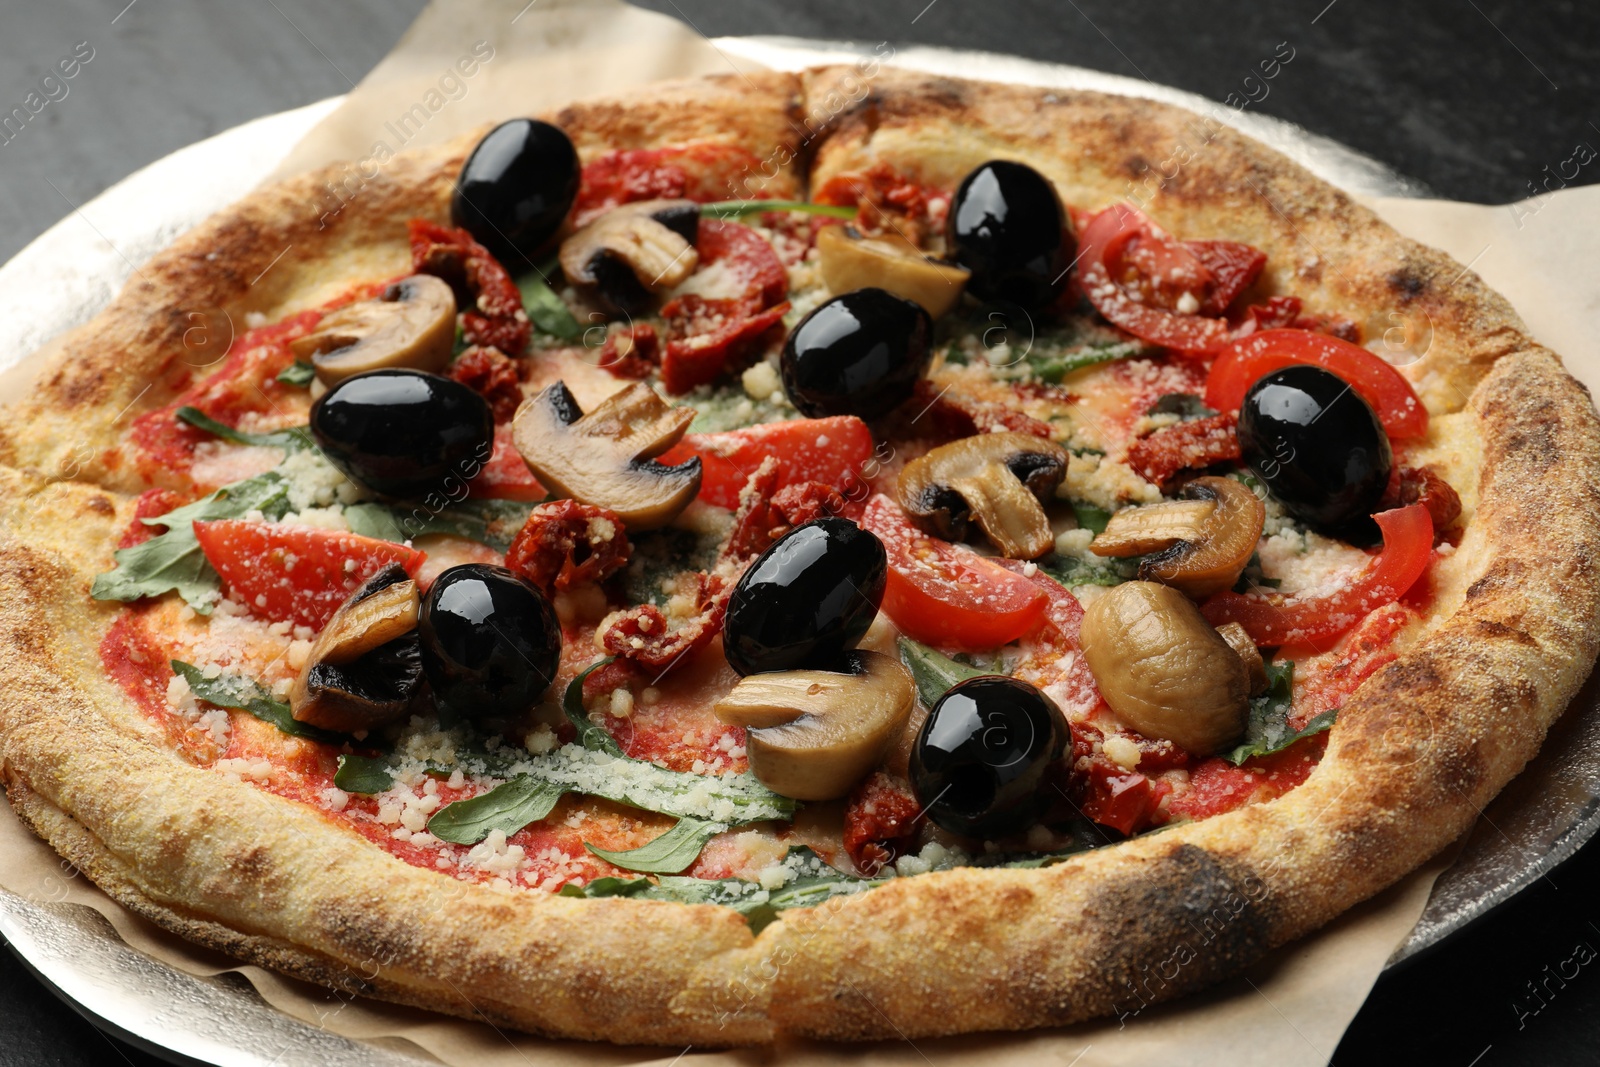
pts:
pixel 1417 751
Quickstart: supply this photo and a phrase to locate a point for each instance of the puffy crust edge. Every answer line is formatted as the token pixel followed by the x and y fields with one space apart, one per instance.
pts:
pixel 1416 753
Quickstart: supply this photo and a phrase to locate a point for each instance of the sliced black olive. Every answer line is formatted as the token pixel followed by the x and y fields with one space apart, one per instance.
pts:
pixel 403 433
pixel 490 642
pixel 807 600
pixel 1008 228
pixel 1318 446
pixel 981 764
pixel 858 354
pixel 516 189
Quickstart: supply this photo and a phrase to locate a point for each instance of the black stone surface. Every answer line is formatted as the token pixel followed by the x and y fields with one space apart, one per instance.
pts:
pixel 1481 99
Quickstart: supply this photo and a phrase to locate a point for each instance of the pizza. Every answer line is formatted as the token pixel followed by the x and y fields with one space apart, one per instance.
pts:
pixel 815 555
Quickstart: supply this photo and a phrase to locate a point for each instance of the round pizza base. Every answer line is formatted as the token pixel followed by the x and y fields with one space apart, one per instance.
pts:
pixel 1415 754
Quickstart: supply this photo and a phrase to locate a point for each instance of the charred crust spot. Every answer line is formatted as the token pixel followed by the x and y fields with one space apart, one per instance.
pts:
pixel 1188 919
pixel 1408 283
pixel 1136 166
pixel 1499 631
pixel 100 505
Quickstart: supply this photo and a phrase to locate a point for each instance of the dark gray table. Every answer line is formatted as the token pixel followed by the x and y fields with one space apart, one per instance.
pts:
pixel 1483 100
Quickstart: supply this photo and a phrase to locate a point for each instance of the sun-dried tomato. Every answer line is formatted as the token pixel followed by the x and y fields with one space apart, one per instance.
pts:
pixel 487 372
pixel 949 415
pixel 565 543
pixel 488 300
pixel 880 821
pixel 888 202
pixel 1190 445
pixel 645 636
pixel 1285 311
pixel 1422 485
pixel 631 352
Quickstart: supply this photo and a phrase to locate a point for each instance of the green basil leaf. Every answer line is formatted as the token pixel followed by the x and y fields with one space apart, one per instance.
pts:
pixel 1090 517
pixel 489 522
pixel 547 310
pixel 243 694
pixel 591 735
pixel 933 671
pixel 1184 405
pixel 298 373
pixel 732 209
pixel 1267 730
pixel 173 561
pixel 673 851
pixel 295 439
pixel 1075 570
pixel 608 887
pixel 507 807
pixel 363 774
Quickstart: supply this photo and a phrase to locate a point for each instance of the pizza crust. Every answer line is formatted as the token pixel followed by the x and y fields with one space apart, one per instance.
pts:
pixel 1416 753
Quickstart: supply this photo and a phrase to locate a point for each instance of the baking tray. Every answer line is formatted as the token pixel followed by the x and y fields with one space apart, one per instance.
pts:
pixel 67 275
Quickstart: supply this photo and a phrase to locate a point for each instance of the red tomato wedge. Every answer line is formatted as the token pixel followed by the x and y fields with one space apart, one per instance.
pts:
pixel 296 573
pixel 1277 620
pixel 944 595
pixel 1244 362
pixel 1126 262
pixel 506 476
pixel 831 451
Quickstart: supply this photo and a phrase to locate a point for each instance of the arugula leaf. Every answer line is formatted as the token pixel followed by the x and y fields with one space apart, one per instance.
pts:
pixel 507 807
pixel 298 373
pixel 1055 368
pixel 933 671
pixel 242 694
pixel 1090 517
pixel 295 439
pixel 673 851
pixel 1075 570
pixel 591 735
pixel 173 561
pixel 547 310
pixel 489 522
pixel 1267 730
pixel 363 774
pixel 730 209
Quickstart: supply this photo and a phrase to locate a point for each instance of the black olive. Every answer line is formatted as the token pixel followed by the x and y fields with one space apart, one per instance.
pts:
pixel 1318 446
pixel 1008 228
pixel 807 600
pixel 516 189
pixel 861 353
pixel 490 642
pixel 403 433
pixel 981 764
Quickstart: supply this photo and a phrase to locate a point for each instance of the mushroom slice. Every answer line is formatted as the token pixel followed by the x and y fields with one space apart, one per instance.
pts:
pixel 1255 668
pixel 412 323
pixel 812 735
pixel 605 458
pixel 1163 669
pixel 365 667
pixel 1199 544
pixel 632 252
pixel 850 261
pixel 998 479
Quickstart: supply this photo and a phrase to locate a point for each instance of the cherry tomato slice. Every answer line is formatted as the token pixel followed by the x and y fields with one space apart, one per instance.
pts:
pixel 944 595
pixel 1244 362
pixel 1277 620
pixel 832 451
pixel 296 574
pixel 506 476
pixel 1105 255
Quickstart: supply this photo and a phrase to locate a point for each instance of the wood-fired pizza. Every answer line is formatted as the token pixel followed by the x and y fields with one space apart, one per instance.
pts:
pixel 790 555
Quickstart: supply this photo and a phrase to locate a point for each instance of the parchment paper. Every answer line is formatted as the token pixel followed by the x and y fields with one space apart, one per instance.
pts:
pixel 466 62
